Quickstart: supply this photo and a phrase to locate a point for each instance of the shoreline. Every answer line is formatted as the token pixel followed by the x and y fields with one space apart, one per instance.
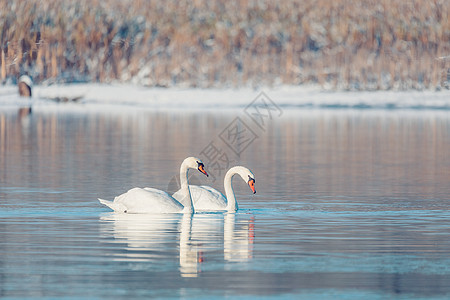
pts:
pixel 286 97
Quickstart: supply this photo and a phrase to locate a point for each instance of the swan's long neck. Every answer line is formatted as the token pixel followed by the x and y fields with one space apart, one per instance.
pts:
pixel 189 207
pixel 229 193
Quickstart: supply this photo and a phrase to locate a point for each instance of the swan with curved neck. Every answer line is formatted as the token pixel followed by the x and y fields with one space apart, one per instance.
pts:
pixel 150 200
pixel 206 198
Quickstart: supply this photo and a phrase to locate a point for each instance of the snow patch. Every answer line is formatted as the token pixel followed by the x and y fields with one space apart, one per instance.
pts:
pixel 101 96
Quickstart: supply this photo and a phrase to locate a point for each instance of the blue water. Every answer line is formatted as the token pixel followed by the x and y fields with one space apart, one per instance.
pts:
pixel 350 204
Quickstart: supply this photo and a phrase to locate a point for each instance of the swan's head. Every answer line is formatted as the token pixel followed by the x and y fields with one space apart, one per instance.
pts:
pixel 195 163
pixel 246 175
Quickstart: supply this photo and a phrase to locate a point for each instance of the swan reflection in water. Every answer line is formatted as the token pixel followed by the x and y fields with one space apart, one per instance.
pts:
pixel 238 243
pixel 151 238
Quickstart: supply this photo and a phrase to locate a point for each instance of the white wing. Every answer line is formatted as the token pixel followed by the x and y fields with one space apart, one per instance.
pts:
pixel 205 198
pixel 147 200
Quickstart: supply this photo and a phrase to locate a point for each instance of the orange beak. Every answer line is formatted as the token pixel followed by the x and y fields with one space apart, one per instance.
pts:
pixel 201 168
pixel 251 184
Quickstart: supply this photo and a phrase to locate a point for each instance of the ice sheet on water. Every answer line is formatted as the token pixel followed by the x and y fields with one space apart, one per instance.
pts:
pixel 100 96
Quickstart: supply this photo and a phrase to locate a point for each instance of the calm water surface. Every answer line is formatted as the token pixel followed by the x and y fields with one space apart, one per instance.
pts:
pixel 349 204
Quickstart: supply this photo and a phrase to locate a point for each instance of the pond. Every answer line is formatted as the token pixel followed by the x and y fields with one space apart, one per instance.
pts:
pixel 349 204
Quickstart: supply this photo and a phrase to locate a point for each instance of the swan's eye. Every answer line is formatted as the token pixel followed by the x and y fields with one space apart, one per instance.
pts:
pixel 250 179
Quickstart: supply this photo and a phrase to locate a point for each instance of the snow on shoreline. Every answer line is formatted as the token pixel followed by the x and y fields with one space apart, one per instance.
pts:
pixel 100 97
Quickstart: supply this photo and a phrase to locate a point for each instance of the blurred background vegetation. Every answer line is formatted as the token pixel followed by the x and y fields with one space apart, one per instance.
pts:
pixel 339 44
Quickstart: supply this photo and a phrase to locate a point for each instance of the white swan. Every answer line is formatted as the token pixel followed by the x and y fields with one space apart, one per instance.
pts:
pixel 150 200
pixel 206 198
